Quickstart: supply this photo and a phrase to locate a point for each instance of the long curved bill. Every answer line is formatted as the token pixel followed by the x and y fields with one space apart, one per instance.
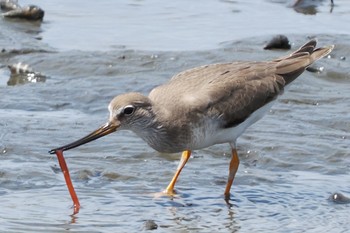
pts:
pixel 100 132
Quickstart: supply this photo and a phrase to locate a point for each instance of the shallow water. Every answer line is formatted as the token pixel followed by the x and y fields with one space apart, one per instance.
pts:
pixel 291 161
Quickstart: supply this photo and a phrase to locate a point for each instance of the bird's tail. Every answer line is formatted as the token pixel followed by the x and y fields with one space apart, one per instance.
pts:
pixel 292 66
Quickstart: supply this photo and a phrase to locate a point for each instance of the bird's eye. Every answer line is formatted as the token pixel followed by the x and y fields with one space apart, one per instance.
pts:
pixel 128 110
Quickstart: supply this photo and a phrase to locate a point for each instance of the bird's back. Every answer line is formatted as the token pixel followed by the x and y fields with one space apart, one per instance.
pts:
pixel 230 92
pixel 248 82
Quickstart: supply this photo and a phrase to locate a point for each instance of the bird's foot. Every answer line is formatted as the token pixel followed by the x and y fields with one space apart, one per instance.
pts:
pixel 227 198
pixel 165 193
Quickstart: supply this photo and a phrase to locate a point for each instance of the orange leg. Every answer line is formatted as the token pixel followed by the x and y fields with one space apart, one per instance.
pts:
pixel 184 158
pixel 232 172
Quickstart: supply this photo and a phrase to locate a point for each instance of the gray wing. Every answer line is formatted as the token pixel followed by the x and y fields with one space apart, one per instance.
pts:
pixel 255 86
pixel 229 91
pixel 232 91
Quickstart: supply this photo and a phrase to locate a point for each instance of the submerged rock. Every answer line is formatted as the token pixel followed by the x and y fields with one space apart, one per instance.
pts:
pixel 314 69
pixel 150 225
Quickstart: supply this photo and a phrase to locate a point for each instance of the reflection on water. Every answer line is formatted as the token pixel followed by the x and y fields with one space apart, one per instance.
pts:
pixel 23 73
pixel 16 79
pixel 309 7
pixel 292 161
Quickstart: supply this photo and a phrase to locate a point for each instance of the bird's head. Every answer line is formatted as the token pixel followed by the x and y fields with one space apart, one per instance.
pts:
pixel 128 111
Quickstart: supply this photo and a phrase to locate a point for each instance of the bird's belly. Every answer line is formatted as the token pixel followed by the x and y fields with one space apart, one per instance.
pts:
pixel 210 132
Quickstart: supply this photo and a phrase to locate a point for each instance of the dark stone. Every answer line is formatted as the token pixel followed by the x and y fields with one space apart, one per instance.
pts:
pixel 150 225
pixel 278 42
pixel 339 198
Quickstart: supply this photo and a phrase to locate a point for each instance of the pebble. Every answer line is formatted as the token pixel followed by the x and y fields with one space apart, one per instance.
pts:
pixel 150 225
pixel 339 198
pixel 278 42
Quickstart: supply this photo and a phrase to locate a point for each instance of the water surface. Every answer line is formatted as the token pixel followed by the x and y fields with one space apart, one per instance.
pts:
pixel 291 161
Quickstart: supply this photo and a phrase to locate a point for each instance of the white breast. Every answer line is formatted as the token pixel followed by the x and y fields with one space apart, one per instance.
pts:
pixel 209 133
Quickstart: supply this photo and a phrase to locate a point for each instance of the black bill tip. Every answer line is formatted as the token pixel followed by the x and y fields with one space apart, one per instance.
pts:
pixel 100 132
pixel 53 151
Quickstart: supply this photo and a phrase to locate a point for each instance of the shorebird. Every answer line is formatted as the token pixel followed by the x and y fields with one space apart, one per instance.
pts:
pixel 203 106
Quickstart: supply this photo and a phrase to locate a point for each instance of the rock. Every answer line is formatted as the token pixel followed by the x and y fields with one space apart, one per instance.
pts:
pixel 150 225
pixel 339 198
pixel 14 10
pixel 278 42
